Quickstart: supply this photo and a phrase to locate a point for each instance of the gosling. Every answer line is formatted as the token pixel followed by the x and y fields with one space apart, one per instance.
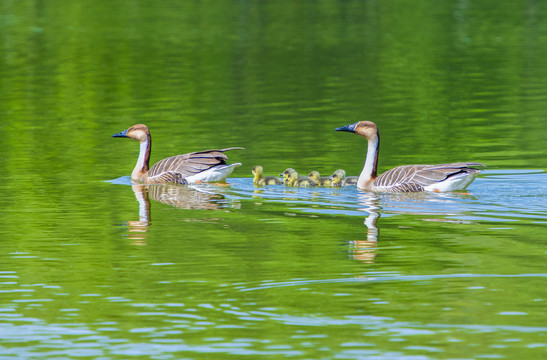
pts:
pixel 291 178
pixel 321 181
pixel 339 178
pixel 264 180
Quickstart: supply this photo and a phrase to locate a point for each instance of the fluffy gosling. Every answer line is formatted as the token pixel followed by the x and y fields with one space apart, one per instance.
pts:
pixel 264 180
pixel 291 178
pixel 321 181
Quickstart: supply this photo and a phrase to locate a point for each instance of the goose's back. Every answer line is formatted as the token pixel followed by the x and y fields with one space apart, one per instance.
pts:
pixel 177 168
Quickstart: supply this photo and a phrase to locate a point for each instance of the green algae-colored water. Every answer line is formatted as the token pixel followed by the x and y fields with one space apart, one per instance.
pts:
pixel 92 267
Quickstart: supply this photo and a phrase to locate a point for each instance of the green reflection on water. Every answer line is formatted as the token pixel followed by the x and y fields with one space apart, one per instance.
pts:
pixel 262 273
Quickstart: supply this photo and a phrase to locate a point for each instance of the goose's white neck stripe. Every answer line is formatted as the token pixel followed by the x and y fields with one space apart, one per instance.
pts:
pixel 368 169
pixel 137 172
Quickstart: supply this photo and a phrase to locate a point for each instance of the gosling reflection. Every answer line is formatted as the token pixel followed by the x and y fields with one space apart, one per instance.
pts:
pixel 365 250
pixel 181 197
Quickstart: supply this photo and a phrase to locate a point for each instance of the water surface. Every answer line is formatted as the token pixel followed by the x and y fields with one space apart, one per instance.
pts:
pixel 92 267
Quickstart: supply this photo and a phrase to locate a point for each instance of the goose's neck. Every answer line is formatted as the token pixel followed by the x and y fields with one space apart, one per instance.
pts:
pixel 369 172
pixel 142 165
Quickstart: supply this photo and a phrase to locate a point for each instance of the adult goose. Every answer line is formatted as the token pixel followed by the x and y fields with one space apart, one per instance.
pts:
pixel 408 178
pixel 195 167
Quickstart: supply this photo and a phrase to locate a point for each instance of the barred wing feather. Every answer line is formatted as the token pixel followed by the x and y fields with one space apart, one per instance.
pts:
pixel 411 178
pixel 184 165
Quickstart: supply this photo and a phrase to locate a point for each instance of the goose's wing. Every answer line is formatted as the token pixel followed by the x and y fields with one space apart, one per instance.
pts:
pixel 188 164
pixel 167 177
pixel 437 173
pixel 411 178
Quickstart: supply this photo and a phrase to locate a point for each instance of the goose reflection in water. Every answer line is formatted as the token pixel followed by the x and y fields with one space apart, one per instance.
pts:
pixel 138 228
pixel 365 250
pixel 181 197
pixel 430 207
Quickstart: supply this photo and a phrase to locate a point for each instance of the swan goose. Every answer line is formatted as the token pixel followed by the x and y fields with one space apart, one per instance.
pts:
pixel 408 178
pixel 190 168
pixel 264 180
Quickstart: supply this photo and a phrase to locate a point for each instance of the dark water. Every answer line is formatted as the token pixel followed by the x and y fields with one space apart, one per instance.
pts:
pixel 92 267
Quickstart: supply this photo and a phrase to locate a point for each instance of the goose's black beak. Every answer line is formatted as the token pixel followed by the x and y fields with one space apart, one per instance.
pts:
pixel 348 128
pixel 121 134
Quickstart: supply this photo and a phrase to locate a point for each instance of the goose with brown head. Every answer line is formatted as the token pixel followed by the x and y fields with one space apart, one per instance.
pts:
pixel 195 167
pixel 408 178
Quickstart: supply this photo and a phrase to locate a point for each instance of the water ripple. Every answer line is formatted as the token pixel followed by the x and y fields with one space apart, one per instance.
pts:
pixel 379 278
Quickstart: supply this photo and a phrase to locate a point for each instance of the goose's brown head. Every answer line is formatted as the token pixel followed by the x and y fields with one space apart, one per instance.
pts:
pixel 367 129
pixel 137 132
